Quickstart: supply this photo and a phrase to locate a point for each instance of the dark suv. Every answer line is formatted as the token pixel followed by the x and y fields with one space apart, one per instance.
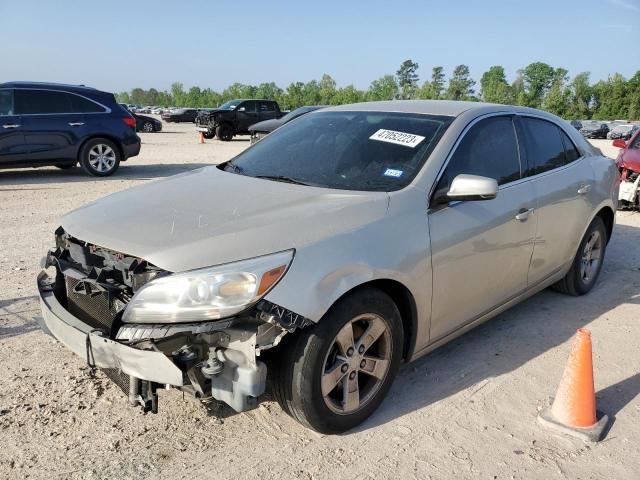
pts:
pixel 235 117
pixel 62 125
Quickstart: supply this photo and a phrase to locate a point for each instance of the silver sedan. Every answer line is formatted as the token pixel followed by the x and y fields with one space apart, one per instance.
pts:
pixel 348 241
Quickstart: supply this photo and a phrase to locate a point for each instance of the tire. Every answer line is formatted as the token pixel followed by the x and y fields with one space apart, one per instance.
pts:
pixel 147 127
pixel 306 361
pixel 224 132
pixel 99 157
pixel 585 269
pixel 209 135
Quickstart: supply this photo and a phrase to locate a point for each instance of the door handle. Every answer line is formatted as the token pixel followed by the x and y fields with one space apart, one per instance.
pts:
pixel 584 189
pixel 523 214
pixel 11 125
pixel 76 124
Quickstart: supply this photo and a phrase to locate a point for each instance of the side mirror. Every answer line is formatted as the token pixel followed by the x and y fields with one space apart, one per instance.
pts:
pixel 242 109
pixel 472 187
pixel 619 143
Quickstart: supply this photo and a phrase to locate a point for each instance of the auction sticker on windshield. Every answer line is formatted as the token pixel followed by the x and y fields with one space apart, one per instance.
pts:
pixel 399 138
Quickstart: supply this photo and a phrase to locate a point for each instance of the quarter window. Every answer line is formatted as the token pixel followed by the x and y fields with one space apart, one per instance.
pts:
pixel 84 105
pixel 544 147
pixel 488 149
pixel 42 102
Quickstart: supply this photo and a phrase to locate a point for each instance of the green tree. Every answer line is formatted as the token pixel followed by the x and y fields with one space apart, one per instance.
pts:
pixel 461 84
pixel 537 78
pixel 327 90
pixel 633 97
pixel 268 91
pixel 408 79
pixel 384 88
pixel 581 94
pixel 348 94
pixel 494 87
pixel 558 97
pixel 178 94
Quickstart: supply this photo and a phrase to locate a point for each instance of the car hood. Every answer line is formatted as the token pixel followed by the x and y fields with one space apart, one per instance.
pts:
pixel 208 217
pixel 266 125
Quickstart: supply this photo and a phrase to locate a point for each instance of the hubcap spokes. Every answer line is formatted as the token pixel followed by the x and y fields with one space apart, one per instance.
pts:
pixel 102 157
pixel 356 364
pixel 591 255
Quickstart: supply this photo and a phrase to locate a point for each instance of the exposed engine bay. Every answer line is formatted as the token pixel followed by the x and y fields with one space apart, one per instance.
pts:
pixel 219 359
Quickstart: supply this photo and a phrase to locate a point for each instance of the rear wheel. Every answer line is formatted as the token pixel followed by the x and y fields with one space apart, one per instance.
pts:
pixel 587 263
pixel 224 132
pixel 99 157
pixel 333 375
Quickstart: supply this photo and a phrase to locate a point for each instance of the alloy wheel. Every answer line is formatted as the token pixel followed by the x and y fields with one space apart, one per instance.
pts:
pixel 102 158
pixel 591 255
pixel 357 363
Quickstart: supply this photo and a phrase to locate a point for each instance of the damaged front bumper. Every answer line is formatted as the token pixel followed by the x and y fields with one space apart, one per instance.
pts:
pixel 95 348
pixel 212 360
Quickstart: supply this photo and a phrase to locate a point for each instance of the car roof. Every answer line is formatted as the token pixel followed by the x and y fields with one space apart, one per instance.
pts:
pixel 451 108
pixel 54 86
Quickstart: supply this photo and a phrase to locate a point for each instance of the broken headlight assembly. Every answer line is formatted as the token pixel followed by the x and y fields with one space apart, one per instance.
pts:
pixel 208 293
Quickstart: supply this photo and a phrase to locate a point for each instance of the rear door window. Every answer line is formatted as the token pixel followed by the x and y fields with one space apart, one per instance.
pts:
pixel 570 151
pixel 488 149
pixel 34 102
pixel 6 102
pixel 543 144
pixel 266 107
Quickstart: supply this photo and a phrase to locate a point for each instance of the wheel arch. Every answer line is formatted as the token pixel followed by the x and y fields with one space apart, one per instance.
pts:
pixel 404 300
pixel 608 217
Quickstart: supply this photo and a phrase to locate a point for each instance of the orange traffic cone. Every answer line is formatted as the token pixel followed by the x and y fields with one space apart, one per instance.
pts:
pixel 574 408
pixel 201 137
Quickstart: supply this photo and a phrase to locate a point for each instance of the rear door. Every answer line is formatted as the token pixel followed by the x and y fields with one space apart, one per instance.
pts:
pixel 481 250
pixel 564 186
pixel 12 145
pixel 52 129
pixel 266 110
pixel 246 115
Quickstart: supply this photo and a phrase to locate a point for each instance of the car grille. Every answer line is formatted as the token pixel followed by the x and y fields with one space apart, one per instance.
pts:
pixel 95 310
pixel 119 378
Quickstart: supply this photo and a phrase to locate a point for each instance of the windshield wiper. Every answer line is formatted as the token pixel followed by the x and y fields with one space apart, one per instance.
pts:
pixel 282 178
pixel 232 167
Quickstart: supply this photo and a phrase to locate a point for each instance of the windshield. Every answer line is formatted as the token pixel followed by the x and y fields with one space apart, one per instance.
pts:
pixel 370 151
pixel 230 105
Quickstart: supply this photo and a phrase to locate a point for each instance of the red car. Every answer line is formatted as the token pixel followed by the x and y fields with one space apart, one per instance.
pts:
pixel 629 163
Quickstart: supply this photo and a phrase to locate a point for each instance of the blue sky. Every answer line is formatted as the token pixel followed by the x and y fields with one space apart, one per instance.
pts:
pixel 117 45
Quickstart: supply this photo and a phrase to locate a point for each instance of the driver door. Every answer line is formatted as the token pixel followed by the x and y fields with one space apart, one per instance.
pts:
pixel 481 250
pixel 246 115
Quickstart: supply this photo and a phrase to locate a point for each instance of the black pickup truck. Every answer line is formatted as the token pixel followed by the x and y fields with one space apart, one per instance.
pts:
pixel 234 118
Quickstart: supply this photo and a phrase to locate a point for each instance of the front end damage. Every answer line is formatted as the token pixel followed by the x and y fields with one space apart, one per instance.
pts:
pixel 84 291
pixel 629 195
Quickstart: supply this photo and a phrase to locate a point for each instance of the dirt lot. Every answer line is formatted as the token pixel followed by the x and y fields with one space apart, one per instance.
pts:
pixel 466 411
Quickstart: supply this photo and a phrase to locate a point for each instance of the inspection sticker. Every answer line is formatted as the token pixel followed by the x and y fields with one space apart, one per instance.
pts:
pixel 399 138
pixel 390 172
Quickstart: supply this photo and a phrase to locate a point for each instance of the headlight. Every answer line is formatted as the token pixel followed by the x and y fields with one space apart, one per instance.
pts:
pixel 208 293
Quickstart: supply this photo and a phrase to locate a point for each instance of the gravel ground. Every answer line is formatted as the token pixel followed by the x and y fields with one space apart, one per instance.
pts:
pixel 467 410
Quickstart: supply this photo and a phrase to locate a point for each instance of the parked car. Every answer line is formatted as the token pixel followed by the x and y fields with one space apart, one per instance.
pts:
pixel 157 110
pixel 63 125
pixel 623 131
pixel 180 115
pixel 577 124
pixel 147 124
pixel 351 240
pixel 235 117
pixel 262 129
pixel 629 163
pixel 594 130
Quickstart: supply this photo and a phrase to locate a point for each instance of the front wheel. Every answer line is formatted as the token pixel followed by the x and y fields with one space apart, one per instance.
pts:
pixel 224 132
pixel 99 157
pixel 334 374
pixel 587 263
pixel 147 127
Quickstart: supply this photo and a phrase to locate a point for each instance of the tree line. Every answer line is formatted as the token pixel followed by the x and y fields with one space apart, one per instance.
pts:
pixel 537 85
